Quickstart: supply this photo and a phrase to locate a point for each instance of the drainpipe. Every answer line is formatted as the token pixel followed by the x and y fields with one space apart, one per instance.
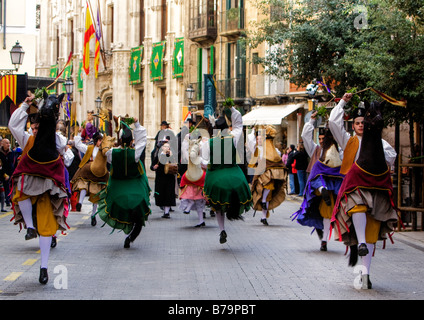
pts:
pixel 4 25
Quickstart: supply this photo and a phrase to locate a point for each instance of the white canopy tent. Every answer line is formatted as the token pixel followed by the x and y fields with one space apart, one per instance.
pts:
pixel 269 115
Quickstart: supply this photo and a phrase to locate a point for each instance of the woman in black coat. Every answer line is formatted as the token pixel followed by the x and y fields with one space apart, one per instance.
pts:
pixel 164 182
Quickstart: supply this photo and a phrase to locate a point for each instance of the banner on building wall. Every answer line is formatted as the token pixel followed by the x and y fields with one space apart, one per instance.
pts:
pixel 156 62
pixel 8 86
pixel 67 73
pixel 80 77
pixel 209 95
pixel 54 69
pixel 178 59
pixel 135 65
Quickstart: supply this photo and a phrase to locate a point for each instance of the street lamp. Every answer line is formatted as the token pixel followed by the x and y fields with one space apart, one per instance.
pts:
pixel 17 57
pixel 69 87
pixel 98 104
pixel 189 93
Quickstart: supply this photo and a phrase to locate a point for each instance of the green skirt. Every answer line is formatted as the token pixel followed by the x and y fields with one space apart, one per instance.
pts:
pixel 227 190
pixel 125 202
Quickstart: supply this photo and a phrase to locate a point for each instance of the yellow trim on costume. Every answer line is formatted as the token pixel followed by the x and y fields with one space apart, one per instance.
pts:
pixel 371 174
pixel 43 162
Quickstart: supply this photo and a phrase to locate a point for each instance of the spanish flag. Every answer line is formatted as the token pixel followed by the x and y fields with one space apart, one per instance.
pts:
pixel 89 33
pixel 8 86
pixel 401 103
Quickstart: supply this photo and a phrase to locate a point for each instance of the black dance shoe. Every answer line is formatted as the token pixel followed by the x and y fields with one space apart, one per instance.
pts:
pixel 366 283
pixel 31 234
pixel 127 242
pixel 200 225
pixel 78 207
pixel 223 237
pixel 362 250
pixel 264 222
pixel 326 196
pixel 93 221
pixel 323 246
pixel 54 242
pixel 44 278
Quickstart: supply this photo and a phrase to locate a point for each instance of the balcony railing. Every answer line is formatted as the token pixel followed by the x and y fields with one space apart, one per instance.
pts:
pixel 203 26
pixel 232 21
pixel 231 88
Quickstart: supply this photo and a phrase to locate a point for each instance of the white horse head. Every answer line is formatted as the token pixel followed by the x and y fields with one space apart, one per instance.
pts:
pixel 194 170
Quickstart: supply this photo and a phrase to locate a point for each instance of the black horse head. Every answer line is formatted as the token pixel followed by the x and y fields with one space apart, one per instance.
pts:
pixel 51 106
pixel 373 120
pixel 44 148
pixel 371 157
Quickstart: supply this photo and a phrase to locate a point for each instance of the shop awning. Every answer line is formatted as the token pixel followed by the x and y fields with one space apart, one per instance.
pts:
pixel 269 115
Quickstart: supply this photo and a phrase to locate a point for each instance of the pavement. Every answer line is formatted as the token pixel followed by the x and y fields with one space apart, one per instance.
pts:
pixel 172 260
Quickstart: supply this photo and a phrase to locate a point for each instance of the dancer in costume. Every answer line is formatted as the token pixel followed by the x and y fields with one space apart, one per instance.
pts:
pixel 364 211
pixel 193 179
pixel 323 183
pixel 92 175
pixel 125 203
pixel 39 178
pixel 268 184
pixel 226 187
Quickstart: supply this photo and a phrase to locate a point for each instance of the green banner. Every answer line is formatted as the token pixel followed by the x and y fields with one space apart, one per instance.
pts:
pixel 53 74
pixel 67 73
pixel 156 62
pixel 80 78
pixel 178 59
pixel 135 65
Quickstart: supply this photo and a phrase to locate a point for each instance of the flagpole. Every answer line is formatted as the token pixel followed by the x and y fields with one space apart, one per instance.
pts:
pixel 101 32
pixel 60 73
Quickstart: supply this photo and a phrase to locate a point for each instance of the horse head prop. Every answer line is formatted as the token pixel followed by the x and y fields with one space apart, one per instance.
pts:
pixel 194 170
pixel 44 149
pixel 107 143
pixel 330 153
pixel 99 165
pixel 371 157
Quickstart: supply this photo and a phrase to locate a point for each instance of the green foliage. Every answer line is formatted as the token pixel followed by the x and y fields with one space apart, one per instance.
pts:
pixel 311 39
pixel 39 93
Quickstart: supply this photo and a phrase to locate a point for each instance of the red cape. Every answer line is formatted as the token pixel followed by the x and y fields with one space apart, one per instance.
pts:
pixel 199 183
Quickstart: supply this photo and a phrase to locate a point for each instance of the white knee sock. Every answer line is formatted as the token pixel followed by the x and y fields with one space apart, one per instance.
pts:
pixel 94 209
pixel 220 217
pixel 326 231
pixel 265 194
pixel 26 211
pixel 366 260
pixel 83 193
pixel 200 214
pixel 359 220
pixel 45 243
pixel 166 209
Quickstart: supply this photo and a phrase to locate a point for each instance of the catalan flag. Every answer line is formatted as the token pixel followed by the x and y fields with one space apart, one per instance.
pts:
pixel 401 103
pixel 8 86
pixel 97 48
pixel 88 34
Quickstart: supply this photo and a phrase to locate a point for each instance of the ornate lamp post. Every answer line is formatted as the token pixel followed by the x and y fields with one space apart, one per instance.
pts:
pixel 17 57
